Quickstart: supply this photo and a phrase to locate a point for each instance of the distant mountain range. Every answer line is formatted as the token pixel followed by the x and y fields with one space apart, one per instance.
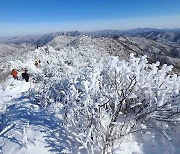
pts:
pixel 172 35
pixel 35 39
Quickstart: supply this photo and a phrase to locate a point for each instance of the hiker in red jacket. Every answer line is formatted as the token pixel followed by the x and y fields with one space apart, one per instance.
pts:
pixel 14 73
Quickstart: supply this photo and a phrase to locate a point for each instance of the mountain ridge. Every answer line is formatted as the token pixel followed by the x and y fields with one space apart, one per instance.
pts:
pixel 43 39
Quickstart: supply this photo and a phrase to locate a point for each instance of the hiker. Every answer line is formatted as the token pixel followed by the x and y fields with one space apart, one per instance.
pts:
pixel 36 63
pixel 14 73
pixel 37 46
pixel 25 76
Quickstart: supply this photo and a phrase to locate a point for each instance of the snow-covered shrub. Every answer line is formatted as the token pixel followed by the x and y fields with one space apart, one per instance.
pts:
pixel 109 99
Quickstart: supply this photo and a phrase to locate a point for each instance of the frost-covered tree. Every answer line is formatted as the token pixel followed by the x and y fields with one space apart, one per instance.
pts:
pixel 110 99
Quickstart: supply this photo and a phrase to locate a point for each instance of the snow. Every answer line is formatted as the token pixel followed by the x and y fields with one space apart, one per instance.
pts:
pixel 30 141
pixel 129 146
pixel 61 109
pixel 17 136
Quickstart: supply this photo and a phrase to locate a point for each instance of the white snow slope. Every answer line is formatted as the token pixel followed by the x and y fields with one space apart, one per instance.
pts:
pixel 30 126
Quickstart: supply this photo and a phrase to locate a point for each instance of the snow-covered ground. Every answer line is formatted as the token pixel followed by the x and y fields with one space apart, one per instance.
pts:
pixel 28 128
pixel 17 134
pixel 31 117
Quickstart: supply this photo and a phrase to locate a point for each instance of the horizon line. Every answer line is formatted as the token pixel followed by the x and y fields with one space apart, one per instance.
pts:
pixel 89 31
pixel 158 22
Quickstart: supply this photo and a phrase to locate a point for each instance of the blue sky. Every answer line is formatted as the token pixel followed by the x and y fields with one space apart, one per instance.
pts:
pixel 41 16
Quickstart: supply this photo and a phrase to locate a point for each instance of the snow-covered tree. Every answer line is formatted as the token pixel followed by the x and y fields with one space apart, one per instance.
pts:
pixel 109 99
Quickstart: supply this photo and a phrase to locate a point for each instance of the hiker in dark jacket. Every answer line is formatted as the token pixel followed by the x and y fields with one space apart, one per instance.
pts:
pixel 25 76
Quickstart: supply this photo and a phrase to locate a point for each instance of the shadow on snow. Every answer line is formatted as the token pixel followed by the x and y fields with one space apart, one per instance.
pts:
pixel 23 113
